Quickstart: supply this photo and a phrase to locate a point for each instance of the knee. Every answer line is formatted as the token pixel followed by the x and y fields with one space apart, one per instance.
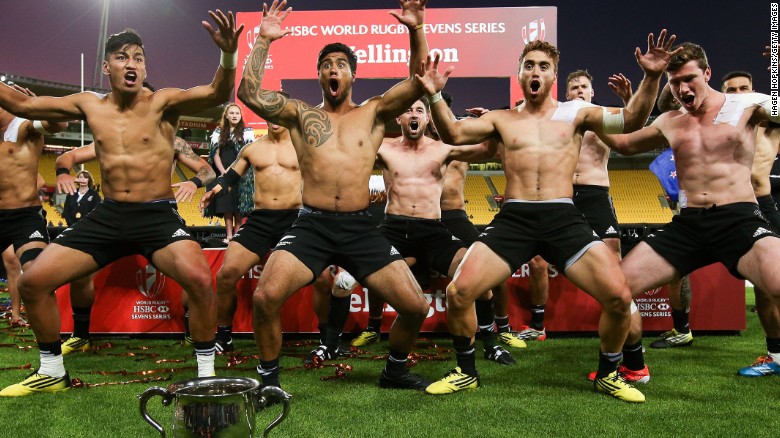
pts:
pixel 457 297
pixel 29 286
pixel 199 284
pixel 264 301
pixel 227 278
pixel 618 304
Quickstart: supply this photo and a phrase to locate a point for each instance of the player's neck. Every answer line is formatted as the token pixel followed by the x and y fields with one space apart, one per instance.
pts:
pixel 713 99
pixel 413 143
pixel 279 138
pixel 124 100
pixel 539 105
pixel 339 107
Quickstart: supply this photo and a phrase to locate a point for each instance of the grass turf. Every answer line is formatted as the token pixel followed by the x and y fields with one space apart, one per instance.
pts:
pixel 693 392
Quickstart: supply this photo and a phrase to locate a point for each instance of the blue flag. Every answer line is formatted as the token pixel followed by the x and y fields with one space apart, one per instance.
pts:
pixel 664 169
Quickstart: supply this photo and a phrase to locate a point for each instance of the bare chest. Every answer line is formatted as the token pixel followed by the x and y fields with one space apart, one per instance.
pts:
pixel 701 138
pixel 281 158
pixel 17 154
pixel 404 163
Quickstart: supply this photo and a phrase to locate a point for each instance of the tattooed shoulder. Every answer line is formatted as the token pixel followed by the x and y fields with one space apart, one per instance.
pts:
pixel 315 124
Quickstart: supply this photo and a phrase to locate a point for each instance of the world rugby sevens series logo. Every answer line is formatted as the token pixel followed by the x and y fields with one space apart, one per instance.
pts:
pixel 150 281
pixel 533 31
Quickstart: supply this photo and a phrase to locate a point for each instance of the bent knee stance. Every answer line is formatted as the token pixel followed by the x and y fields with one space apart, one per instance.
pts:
pixel 618 304
pixel 265 302
pixel 458 297
pixel 227 278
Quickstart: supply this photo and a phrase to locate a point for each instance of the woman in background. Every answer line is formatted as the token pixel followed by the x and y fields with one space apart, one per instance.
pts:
pixel 226 141
pixel 83 201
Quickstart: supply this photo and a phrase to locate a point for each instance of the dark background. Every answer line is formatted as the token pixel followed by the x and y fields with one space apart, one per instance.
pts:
pixel 44 38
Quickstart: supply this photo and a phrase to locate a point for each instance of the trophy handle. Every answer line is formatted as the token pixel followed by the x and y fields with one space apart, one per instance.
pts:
pixel 144 398
pixel 271 395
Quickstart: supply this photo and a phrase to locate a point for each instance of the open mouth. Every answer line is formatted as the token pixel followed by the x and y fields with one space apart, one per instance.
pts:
pixel 414 125
pixel 334 87
pixel 535 85
pixel 131 77
pixel 688 99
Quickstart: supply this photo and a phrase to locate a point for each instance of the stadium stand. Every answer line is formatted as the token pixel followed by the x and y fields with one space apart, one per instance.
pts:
pixel 477 193
pixel 638 197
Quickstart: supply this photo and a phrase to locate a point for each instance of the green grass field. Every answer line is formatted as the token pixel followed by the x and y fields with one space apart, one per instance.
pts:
pixel 694 392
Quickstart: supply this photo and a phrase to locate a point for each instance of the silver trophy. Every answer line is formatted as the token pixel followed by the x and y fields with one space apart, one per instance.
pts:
pixel 216 406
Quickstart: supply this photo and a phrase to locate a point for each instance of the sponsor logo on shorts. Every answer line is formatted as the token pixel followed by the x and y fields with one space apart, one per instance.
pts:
pixel 36 235
pixel 611 230
pixel 283 241
pixel 455 238
pixel 760 231
pixel 180 233
pixel 595 235
pixel 394 251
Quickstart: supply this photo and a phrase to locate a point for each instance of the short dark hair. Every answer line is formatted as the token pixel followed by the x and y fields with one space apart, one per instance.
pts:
pixel 736 74
pixel 426 103
pixel 576 74
pixel 666 101
pixel 690 52
pixel 121 39
pixel 546 48
pixel 338 47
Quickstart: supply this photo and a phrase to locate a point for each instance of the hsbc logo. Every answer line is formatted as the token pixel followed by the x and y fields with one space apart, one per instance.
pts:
pixel 150 281
pixel 533 31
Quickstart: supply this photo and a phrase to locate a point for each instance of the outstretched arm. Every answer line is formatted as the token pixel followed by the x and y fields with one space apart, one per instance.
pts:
pixel 646 139
pixel 270 105
pixel 653 63
pixel 207 96
pixel 66 183
pixel 621 86
pixel 451 131
pixel 403 95
pixel 413 17
pixel 42 127
pixel 204 173
pixel 471 153
pixel 33 107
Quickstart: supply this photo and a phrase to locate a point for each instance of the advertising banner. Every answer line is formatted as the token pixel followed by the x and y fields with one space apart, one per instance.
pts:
pixel 132 296
pixel 479 42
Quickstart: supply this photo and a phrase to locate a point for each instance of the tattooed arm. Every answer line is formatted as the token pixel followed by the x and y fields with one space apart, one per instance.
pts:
pixel 268 104
pixel 205 174
pixel 193 161
pixel 312 123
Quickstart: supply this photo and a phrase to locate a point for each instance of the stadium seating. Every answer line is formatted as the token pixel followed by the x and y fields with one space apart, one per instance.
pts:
pixel 638 197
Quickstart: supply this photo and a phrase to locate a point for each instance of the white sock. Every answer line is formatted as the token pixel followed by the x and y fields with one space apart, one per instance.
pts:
pixel 775 357
pixel 52 365
pixel 205 362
